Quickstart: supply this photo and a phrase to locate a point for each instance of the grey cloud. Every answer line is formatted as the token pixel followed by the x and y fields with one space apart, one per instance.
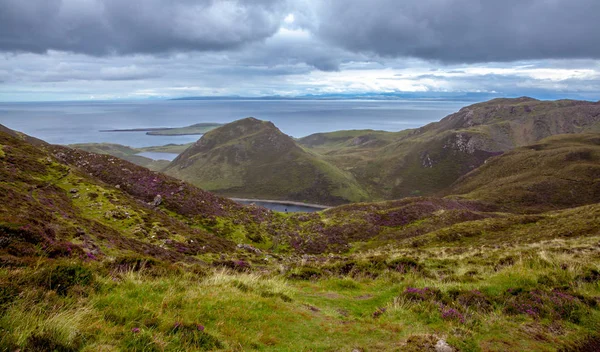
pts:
pixel 464 30
pixel 119 73
pixel 101 27
pixel 293 48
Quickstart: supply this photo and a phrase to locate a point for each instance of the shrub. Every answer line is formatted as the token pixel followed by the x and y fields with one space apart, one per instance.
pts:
pixel 46 341
pixel 133 263
pixel 540 304
pixel 404 265
pixel 237 265
pixel 451 314
pixel 62 277
pixel 422 294
pixel 590 275
pixel 63 249
pixel 8 293
pixel 305 273
pixel 473 299
pixel 194 337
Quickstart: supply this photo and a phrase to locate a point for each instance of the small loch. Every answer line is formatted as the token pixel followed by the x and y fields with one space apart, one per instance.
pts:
pixel 283 206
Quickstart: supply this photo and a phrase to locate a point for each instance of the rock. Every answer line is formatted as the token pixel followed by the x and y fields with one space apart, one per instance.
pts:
pixel 249 248
pixel 73 190
pixel 426 160
pixel 443 346
pixel 119 213
pixel 140 232
pixel 157 200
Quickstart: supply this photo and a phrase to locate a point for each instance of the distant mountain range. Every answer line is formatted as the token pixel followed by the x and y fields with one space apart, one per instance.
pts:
pixel 457 96
pixel 357 96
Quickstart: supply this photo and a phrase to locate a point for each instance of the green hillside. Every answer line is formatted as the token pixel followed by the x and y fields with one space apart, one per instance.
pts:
pixel 557 172
pixel 252 159
pixel 426 160
pixel 99 254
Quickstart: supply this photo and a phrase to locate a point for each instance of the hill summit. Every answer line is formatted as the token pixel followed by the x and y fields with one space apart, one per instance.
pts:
pixel 253 158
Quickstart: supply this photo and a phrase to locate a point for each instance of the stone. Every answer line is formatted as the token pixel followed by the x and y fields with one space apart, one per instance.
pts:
pixel 157 200
pixel 443 346
pixel 249 248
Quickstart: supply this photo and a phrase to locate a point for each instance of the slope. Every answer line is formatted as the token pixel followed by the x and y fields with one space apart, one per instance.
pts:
pixel 253 159
pixel 426 160
pixel 122 152
pixel 60 202
pixel 557 172
pixel 93 260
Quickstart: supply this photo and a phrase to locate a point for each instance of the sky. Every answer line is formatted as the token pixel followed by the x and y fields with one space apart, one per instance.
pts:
pixel 156 49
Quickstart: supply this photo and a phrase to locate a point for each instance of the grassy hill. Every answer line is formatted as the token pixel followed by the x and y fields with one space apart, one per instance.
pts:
pixel 426 160
pixel 557 172
pixel 92 259
pixel 253 159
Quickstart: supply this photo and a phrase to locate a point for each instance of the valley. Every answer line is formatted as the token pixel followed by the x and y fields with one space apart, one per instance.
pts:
pixel 237 159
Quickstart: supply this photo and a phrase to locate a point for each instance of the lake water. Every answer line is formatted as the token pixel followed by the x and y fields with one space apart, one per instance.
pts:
pixel 159 156
pixel 287 208
pixel 80 122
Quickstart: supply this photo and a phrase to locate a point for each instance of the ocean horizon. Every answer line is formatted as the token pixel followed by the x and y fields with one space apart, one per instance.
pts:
pixel 81 121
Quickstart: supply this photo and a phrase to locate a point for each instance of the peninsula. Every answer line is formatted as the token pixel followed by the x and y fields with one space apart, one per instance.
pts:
pixel 195 129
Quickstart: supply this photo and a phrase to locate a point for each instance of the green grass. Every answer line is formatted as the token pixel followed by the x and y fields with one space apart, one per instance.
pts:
pixel 138 310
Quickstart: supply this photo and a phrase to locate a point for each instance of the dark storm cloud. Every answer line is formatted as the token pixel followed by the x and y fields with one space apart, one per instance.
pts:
pixel 100 27
pixel 464 30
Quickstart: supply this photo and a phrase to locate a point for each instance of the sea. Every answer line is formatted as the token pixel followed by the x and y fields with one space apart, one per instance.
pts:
pixel 81 122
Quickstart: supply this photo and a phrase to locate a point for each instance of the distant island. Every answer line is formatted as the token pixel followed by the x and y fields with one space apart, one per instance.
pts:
pixel 196 129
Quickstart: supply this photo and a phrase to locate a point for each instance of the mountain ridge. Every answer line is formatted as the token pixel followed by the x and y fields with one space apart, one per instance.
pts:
pixel 425 160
